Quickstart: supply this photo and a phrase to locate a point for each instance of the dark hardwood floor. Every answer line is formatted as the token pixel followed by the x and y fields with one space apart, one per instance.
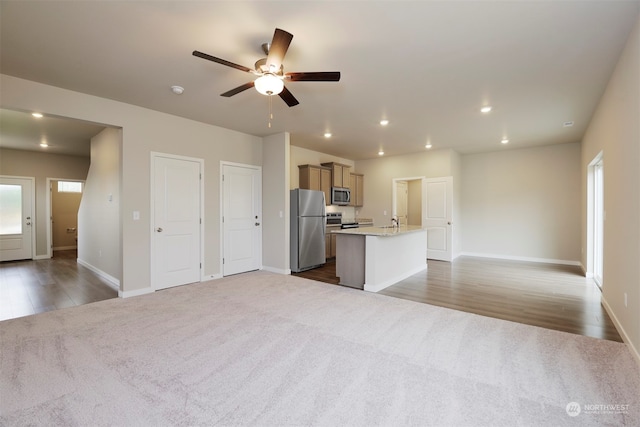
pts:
pixel 551 296
pixel 35 286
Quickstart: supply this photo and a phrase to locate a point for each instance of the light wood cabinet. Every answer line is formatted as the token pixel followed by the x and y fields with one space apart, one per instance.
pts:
pixel 340 174
pixel 330 244
pixel 357 189
pixel 313 177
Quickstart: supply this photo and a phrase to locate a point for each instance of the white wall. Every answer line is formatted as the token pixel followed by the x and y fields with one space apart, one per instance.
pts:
pixel 99 236
pixel 275 205
pixel 615 130
pixel 42 166
pixel 523 203
pixel 143 131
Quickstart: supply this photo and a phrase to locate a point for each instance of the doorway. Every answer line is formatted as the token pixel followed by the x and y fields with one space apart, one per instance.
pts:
pixel 63 204
pixel 429 204
pixel 595 220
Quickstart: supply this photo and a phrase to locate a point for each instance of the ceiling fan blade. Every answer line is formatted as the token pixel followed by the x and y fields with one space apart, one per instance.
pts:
pixel 322 76
pixel 238 89
pixel 288 97
pixel 221 61
pixel 278 49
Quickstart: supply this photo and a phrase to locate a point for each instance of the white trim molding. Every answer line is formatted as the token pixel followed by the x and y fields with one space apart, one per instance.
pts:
pixel 625 337
pixel 112 281
pixel 520 258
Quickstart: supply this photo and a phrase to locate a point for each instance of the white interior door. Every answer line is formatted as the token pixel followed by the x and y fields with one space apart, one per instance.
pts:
pixel 438 211
pixel 402 191
pixel 241 218
pixel 176 221
pixel 16 218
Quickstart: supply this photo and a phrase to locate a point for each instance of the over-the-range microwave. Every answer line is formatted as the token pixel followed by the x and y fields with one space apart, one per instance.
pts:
pixel 340 196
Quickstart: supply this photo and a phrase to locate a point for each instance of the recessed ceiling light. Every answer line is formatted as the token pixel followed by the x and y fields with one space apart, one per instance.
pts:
pixel 486 109
pixel 567 124
pixel 428 146
pixel 44 144
pixel 327 135
pixel 384 122
pixel 380 153
pixel 37 115
pixel 177 90
pixel 504 141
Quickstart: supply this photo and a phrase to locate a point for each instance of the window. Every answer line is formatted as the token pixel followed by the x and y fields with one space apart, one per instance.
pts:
pixel 10 209
pixel 69 187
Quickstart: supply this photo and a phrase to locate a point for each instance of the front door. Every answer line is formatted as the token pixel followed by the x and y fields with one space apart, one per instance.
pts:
pixel 176 221
pixel 439 203
pixel 241 218
pixel 16 218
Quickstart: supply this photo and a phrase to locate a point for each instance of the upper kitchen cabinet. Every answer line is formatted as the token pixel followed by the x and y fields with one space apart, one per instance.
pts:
pixel 316 178
pixel 356 184
pixel 339 174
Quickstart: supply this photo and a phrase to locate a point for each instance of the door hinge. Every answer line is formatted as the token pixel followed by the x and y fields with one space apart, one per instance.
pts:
pixel 223 260
pixel 201 266
pixel 200 220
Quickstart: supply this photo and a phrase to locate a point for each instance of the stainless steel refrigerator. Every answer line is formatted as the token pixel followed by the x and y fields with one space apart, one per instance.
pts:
pixel 308 217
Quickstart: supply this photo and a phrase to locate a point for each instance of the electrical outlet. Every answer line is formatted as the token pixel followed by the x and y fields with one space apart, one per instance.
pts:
pixel 625 299
pixel 385 213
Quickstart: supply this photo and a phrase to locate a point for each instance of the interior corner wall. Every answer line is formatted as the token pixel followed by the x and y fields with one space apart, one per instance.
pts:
pixel 42 166
pixel 275 203
pixel 145 131
pixel 523 203
pixel 99 236
pixel 614 131
pixel 456 218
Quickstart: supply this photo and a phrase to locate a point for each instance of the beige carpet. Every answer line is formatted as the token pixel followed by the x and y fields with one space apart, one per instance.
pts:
pixel 267 349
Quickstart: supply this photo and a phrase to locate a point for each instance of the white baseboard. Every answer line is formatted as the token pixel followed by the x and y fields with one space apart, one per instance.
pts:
pixel 276 270
pixel 135 292
pixel 64 248
pixel 42 257
pixel 623 333
pixel 112 281
pixel 519 258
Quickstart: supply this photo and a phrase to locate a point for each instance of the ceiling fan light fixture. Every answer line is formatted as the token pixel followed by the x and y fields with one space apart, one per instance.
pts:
pixel 268 84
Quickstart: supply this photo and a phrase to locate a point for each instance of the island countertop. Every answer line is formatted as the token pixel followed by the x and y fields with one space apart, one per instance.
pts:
pixel 380 231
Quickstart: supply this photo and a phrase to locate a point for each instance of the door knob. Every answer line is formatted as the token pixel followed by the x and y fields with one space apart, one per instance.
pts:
pixel 159 229
pixel 257 224
pixel 449 223
pixel 28 223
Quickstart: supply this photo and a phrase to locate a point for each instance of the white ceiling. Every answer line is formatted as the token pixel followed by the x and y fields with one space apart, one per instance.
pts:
pixel 427 66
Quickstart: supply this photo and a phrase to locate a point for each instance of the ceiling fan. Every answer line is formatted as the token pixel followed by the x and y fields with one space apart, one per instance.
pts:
pixel 270 72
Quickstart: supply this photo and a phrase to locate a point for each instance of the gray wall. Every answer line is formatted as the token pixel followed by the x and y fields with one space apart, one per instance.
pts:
pixel 99 236
pixel 523 203
pixel 42 166
pixel 615 131
pixel 275 203
pixel 144 131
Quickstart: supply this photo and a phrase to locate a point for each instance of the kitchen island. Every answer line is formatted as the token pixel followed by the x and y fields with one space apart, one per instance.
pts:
pixel 373 258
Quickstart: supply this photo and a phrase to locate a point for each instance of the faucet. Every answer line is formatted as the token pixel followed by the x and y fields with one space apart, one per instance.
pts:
pixel 394 221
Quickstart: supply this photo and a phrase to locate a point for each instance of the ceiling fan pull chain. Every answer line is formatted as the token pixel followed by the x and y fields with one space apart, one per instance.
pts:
pixel 270 112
